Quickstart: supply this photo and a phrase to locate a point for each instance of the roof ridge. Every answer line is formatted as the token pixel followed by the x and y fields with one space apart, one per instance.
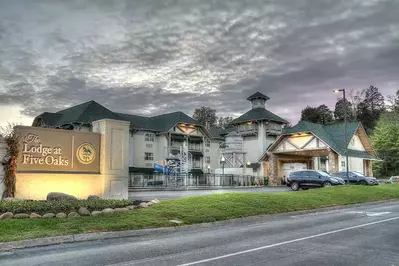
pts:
pixel 74 106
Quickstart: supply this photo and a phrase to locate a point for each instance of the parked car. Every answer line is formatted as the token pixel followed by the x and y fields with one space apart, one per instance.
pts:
pixel 357 178
pixel 392 179
pixel 306 179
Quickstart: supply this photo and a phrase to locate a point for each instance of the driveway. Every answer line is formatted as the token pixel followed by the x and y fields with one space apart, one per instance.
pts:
pixel 167 194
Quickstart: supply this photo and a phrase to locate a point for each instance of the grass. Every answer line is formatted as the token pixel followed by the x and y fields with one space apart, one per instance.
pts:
pixel 198 209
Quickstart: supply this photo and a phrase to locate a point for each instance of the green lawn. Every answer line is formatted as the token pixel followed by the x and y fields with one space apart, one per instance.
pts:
pixel 198 210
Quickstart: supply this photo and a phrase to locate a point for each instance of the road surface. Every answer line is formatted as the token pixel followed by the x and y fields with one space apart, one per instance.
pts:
pixel 366 235
pixel 150 195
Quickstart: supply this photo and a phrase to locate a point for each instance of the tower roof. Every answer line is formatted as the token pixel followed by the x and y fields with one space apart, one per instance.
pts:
pixel 258 95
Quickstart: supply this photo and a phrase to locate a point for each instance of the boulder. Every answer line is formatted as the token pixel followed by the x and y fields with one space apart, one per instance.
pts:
pixel 6 216
pixel 121 209
pixel 96 213
pixel 73 214
pixel 35 215
pixel 84 211
pixel 131 207
pixel 143 205
pixel 21 216
pixel 60 196
pixel 155 201
pixel 48 215
pixel 61 215
pixel 93 197
pixel 108 210
pixel 150 203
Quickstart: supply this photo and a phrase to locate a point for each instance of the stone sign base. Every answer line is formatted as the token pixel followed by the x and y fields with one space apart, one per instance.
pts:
pixel 110 183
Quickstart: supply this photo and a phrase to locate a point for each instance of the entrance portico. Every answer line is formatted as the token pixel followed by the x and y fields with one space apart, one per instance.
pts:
pixel 319 147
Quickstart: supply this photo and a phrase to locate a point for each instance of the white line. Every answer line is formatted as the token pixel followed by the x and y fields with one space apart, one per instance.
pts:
pixel 287 242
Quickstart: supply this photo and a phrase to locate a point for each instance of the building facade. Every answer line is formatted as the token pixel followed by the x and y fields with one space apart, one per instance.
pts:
pixel 257 143
pixel 248 138
pixel 169 143
pixel 320 147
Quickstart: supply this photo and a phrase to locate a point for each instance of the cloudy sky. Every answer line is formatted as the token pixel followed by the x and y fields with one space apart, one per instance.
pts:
pixel 151 57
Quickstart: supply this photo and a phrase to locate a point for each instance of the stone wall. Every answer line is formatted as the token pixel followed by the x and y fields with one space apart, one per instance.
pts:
pixel 111 183
pixel 333 161
pixel 274 179
pixel 36 186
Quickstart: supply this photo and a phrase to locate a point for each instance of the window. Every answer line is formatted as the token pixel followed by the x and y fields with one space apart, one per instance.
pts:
pixel 208 159
pixel 343 164
pixel 207 143
pixel 148 156
pixel 313 175
pixel 149 137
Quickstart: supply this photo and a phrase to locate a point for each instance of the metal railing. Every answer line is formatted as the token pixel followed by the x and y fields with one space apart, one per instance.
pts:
pixel 156 180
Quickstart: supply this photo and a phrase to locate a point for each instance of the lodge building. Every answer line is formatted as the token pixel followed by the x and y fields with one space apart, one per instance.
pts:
pixel 257 143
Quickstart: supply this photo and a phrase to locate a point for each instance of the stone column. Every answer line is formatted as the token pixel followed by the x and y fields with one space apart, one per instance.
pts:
pixel 114 162
pixel 333 161
pixel 274 179
pixel 369 167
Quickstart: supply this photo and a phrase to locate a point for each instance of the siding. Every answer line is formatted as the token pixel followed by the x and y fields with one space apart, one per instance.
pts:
pixel 356 144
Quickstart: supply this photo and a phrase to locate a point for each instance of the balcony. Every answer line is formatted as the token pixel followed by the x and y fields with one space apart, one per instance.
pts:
pixel 195 147
pixel 197 165
pixel 248 129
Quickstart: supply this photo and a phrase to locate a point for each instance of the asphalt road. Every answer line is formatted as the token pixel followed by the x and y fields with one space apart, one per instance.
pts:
pixel 366 235
pixel 167 194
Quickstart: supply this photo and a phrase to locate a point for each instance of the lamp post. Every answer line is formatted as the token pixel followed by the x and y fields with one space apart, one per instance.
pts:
pixel 222 161
pixel 346 131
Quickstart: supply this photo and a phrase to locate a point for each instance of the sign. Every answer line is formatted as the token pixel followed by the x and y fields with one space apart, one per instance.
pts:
pixel 57 150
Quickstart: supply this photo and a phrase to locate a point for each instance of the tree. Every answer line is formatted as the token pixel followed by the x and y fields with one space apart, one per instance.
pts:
pixel 394 102
pixel 205 116
pixel 339 112
pixel 326 115
pixel 224 122
pixel 385 139
pixel 370 109
pixel 321 114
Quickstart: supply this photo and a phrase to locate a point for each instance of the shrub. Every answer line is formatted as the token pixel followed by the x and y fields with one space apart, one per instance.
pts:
pixel 41 207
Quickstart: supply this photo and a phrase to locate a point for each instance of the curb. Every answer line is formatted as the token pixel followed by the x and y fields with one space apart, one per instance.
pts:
pixel 47 241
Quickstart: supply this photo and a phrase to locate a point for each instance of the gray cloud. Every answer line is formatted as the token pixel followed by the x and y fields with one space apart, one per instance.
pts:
pixel 151 57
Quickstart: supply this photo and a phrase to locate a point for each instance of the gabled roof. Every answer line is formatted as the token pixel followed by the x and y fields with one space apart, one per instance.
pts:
pixel 259 114
pixel 258 95
pixel 333 135
pixel 82 113
pixel 91 111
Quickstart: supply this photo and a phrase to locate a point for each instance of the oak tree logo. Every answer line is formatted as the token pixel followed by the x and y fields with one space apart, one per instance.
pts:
pixel 86 153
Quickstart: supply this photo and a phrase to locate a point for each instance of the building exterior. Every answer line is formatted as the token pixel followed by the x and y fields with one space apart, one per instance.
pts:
pixel 249 137
pixel 321 147
pixel 167 143
pixel 256 144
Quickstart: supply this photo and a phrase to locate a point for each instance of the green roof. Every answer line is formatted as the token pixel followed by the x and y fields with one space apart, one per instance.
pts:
pixel 259 114
pixel 92 111
pixel 258 95
pixel 333 135
pixel 361 154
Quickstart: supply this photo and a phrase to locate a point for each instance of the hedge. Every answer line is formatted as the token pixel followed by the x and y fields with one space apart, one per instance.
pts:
pixel 41 207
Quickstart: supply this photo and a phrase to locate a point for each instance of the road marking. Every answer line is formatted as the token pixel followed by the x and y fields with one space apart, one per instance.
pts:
pixel 371 214
pixel 288 242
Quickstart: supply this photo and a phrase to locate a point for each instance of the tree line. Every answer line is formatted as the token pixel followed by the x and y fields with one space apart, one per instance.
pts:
pixel 206 116
pixel 365 106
